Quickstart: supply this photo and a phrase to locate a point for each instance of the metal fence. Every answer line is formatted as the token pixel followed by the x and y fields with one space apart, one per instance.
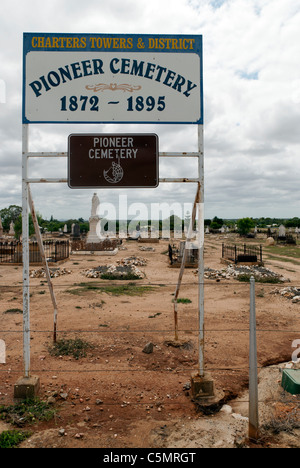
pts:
pixel 55 251
pixel 242 254
pixel 78 245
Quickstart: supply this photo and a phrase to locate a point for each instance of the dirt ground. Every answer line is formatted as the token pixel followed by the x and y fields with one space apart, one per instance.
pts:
pixel 120 397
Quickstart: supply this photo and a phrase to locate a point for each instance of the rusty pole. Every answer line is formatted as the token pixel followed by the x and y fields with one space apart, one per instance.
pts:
pixel 44 260
pixel 188 239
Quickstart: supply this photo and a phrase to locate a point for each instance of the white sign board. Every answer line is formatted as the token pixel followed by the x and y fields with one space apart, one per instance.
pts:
pixel 112 79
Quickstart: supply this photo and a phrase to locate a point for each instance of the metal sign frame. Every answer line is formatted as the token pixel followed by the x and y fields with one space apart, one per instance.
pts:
pixel 26 198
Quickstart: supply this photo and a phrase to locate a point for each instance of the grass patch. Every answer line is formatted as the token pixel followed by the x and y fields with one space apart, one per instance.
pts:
pixel 183 300
pixel 284 250
pixel 28 411
pixel 283 259
pixel 155 315
pixel 14 311
pixel 130 289
pixel 245 278
pixel 124 277
pixel 73 347
pixel 11 439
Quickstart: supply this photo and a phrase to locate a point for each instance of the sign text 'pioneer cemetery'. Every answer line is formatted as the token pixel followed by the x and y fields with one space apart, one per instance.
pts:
pixel 112 161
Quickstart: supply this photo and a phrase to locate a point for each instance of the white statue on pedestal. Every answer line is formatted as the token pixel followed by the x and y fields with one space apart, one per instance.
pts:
pixel 11 229
pixel 92 236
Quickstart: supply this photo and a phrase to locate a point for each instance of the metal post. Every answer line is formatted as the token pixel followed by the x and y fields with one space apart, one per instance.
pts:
pixel 25 247
pixel 201 250
pixel 188 239
pixel 253 378
pixel 44 260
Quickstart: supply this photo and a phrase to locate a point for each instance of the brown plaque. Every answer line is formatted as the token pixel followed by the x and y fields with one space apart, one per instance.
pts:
pixel 113 161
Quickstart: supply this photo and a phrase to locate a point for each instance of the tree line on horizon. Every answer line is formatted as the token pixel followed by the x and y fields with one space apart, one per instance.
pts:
pixel 14 214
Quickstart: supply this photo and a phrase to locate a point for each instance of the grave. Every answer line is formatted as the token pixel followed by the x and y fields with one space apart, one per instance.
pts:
pixel 93 245
pixel 176 255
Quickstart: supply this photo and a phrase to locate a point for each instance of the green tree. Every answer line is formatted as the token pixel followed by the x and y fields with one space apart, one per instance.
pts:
pixel 18 226
pixel 216 223
pixel 244 226
pixel 9 215
pixel 294 222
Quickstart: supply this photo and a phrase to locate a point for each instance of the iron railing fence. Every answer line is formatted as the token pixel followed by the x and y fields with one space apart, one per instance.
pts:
pixel 245 253
pixel 55 251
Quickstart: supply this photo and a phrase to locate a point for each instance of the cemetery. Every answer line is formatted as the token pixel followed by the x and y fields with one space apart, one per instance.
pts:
pixel 130 381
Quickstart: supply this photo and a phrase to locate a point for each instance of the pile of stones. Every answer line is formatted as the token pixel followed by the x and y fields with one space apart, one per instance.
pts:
pixel 115 270
pixel 132 261
pixel 290 292
pixel 54 272
pixel 234 271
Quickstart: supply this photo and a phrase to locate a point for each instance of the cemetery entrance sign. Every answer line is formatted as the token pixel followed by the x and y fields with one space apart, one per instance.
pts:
pixel 115 79
pixel 88 78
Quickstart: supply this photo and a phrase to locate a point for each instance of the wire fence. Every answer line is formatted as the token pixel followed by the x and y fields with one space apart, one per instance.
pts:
pixel 130 335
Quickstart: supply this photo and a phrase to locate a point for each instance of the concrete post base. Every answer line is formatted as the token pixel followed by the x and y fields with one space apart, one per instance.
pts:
pixel 202 387
pixel 204 392
pixel 26 388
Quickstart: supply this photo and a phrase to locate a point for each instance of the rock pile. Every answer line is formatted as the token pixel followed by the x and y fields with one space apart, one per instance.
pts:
pixel 234 271
pixel 54 272
pixel 132 261
pixel 118 271
pixel 291 293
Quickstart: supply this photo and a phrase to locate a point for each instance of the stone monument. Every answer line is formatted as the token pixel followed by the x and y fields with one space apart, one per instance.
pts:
pixel 94 219
pixel 11 229
pixel 281 231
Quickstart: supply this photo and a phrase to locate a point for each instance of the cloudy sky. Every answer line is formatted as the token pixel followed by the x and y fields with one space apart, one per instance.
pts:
pixel 251 104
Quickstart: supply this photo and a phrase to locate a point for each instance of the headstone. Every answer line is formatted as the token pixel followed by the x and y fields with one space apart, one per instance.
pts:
pixel 65 228
pixel 76 231
pixel 281 232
